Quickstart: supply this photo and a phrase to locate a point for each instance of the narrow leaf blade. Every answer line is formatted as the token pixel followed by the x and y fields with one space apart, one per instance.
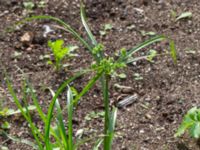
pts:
pixel 83 18
pixel 144 44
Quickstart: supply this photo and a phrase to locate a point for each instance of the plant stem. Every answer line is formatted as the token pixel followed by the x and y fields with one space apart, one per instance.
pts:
pixel 105 83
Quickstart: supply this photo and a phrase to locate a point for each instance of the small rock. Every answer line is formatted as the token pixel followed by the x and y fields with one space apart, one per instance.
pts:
pixel 29 49
pixel 26 38
pixel 148 116
pixel 141 131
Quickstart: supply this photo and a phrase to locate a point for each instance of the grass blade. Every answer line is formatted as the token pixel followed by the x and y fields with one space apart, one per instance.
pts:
pixel 83 18
pixel 98 144
pixel 60 124
pixel 87 87
pixel 35 101
pixel 70 116
pixel 173 51
pixel 24 141
pixel 136 59
pixel 50 110
pixel 184 15
pixel 34 129
pixel 89 33
pixel 144 44
pixel 113 117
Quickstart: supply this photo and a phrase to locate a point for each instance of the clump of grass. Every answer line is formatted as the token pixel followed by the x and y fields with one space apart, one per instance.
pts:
pixel 103 68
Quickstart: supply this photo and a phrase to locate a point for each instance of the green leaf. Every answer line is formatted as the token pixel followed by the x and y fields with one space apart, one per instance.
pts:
pixel 28 5
pixel 173 13
pixel 152 54
pixel 70 117
pixel 37 135
pixel 108 26
pixel 190 123
pixel 6 125
pixel 184 15
pixel 150 33
pixel 137 76
pixel 42 4
pixel 51 107
pixel 12 112
pixel 122 75
pixel 83 18
pixel 23 141
pixel 94 115
pixel 112 118
pixel 130 52
pixel 186 124
pixel 60 124
pixel 102 33
pixel 87 87
pixel 195 130
pixel 173 51
pixel 97 144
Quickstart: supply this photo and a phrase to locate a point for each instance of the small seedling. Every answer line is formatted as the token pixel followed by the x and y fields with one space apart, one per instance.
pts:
pixel 94 115
pixel 6 125
pixel 173 14
pixel 191 123
pixel 137 76
pixel 190 51
pixel 184 16
pixel 152 55
pixel 42 4
pixel 16 54
pixel 122 75
pixel 106 28
pixel 60 52
pixel 28 5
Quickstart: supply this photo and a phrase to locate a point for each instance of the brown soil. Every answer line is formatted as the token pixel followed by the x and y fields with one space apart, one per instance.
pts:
pixel 166 91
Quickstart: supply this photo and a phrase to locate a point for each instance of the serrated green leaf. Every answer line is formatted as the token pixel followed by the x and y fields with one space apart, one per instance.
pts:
pixel 190 123
pixel 195 130
pixel 186 124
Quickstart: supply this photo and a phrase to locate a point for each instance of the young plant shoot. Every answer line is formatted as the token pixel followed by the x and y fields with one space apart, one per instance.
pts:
pixel 60 52
pixel 191 123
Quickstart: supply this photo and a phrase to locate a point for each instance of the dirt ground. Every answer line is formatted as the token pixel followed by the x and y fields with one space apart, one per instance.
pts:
pixel 165 90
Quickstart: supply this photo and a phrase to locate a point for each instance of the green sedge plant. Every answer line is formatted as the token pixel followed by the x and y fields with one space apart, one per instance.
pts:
pixel 103 67
pixel 190 123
